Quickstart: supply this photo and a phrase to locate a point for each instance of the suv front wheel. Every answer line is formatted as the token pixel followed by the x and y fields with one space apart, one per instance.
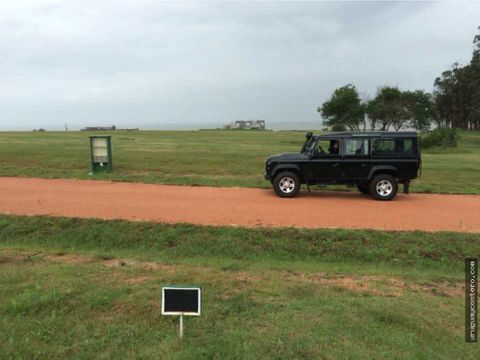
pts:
pixel 363 188
pixel 383 187
pixel 286 184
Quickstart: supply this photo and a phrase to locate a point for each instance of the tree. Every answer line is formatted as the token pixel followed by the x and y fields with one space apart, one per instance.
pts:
pixel 474 105
pixel 388 109
pixel 344 109
pixel 453 95
pixel 457 93
pixel 421 109
pixel 445 98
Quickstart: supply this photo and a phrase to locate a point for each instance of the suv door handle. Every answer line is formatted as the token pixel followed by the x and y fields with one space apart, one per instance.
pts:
pixel 363 165
pixel 336 164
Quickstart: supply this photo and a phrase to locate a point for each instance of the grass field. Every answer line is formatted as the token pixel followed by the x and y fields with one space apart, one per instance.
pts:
pixel 73 288
pixel 216 158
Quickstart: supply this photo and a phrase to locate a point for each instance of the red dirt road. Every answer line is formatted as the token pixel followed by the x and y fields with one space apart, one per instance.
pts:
pixel 235 206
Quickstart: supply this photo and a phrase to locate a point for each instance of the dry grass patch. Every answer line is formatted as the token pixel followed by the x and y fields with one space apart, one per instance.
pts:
pixel 376 285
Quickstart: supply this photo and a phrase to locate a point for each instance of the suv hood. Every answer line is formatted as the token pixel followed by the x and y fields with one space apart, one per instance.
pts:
pixel 286 156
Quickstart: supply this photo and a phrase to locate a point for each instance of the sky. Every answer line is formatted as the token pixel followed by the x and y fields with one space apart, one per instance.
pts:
pixel 154 64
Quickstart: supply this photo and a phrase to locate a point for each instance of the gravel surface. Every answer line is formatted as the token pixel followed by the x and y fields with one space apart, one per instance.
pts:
pixel 236 206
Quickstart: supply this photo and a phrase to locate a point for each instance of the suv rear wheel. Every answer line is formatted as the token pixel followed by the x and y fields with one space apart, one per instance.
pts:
pixel 383 187
pixel 286 184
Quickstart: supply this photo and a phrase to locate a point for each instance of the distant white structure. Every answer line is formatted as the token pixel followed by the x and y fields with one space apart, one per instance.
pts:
pixel 245 125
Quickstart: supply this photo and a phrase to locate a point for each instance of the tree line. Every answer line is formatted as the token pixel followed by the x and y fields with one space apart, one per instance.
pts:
pixel 454 103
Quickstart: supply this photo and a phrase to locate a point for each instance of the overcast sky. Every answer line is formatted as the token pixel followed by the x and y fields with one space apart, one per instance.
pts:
pixel 147 63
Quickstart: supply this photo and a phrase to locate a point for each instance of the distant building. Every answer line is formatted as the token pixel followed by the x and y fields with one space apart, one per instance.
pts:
pixel 99 128
pixel 245 125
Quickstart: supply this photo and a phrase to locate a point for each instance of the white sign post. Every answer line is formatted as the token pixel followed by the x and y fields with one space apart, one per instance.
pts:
pixel 181 326
pixel 181 300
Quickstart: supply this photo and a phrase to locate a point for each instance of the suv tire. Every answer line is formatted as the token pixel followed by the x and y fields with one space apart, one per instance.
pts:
pixel 383 187
pixel 286 184
pixel 363 188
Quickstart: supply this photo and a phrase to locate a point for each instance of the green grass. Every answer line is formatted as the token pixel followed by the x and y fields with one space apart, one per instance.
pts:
pixel 215 158
pixel 90 288
pixel 452 170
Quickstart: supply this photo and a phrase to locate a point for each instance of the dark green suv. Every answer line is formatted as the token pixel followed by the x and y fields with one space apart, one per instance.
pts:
pixel 374 162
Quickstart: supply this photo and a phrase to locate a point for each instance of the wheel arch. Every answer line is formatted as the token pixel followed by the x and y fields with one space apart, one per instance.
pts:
pixel 382 169
pixel 292 168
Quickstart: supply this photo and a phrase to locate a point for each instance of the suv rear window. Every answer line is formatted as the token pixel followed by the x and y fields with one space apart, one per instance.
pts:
pixel 392 147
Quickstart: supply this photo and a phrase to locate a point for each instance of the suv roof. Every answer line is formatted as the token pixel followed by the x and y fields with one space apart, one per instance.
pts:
pixel 347 134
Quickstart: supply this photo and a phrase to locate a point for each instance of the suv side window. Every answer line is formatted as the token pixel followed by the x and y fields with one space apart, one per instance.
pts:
pixel 327 147
pixel 392 147
pixel 356 147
